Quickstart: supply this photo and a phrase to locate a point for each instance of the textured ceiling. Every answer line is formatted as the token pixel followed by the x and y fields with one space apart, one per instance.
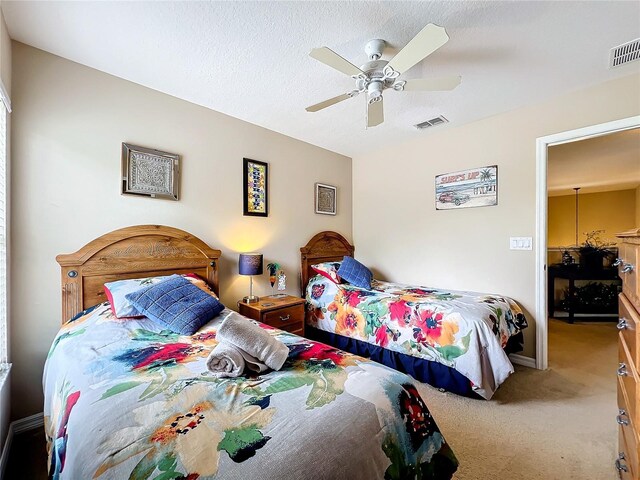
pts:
pixel 250 59
pixel 600 164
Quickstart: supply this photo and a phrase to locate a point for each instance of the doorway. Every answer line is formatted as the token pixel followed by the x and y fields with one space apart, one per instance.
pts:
pixel 542 154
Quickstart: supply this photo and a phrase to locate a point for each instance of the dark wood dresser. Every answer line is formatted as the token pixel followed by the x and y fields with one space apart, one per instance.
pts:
pixel 629 356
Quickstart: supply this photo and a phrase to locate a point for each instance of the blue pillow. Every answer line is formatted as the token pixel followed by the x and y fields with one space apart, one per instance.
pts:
pixel 355 273
pixel 176 304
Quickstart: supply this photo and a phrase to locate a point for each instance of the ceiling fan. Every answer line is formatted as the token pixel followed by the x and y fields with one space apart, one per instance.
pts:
pixel 377 75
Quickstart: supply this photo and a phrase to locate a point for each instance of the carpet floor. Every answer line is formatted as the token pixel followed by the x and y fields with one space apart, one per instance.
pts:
pixel 555 424
pixel 552 425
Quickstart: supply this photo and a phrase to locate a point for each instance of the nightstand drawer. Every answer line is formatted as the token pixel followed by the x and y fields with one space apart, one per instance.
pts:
pixel 280 311
pixel 285 318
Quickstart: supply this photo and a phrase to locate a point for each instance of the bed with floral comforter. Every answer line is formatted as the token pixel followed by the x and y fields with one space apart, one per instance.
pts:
pixel 465 331
pixel 126 400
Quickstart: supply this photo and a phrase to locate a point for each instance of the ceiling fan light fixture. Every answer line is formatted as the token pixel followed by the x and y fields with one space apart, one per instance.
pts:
pixel 374 91
pixel 399 86
pixel 389 73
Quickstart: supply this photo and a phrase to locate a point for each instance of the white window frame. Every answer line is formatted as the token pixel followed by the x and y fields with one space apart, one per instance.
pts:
pixel 4 329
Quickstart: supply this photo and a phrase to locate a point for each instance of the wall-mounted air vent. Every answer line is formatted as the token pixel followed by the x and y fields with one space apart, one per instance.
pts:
pixel 431 123
pixel 625 53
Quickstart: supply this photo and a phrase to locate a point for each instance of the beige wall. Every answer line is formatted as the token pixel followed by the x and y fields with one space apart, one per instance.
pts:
pixel 612 212
pixel 5 54
pixel 69 122
pixel 398 231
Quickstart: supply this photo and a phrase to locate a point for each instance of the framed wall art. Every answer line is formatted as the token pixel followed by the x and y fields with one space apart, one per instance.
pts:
pixel 326 199
pixel 477 187
pixel 150 173
pixel 256 188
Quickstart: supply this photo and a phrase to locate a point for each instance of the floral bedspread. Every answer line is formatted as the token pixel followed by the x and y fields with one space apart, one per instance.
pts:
pixel 126 400
pixel 463 330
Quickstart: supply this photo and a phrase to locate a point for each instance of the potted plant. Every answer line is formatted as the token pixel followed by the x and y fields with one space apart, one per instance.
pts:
pixel 594 250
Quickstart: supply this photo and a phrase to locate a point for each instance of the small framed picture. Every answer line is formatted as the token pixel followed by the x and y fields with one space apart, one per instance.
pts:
pixel 150 173
pixel 256 188
pixel 325 199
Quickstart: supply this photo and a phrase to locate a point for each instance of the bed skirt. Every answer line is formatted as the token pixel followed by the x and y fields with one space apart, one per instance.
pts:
pixel 433 373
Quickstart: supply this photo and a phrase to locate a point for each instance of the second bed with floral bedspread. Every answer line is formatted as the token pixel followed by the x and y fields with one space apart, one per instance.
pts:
pixel 463 330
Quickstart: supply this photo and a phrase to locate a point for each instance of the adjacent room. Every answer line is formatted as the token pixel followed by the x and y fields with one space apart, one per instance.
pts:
pixel 329 240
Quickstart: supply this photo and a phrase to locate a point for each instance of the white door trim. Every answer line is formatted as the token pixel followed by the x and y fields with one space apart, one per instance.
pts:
pixel 540 241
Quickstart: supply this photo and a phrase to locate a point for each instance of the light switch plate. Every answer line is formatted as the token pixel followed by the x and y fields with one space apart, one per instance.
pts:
pixel 520 243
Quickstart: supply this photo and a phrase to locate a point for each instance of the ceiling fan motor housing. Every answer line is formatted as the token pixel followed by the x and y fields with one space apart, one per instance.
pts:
pixel 373 74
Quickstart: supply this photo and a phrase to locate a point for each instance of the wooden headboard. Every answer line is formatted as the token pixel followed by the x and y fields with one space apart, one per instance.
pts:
pixel 132 252
pixel 326 246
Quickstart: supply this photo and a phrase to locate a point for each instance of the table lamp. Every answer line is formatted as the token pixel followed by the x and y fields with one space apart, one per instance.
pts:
pixel 250 264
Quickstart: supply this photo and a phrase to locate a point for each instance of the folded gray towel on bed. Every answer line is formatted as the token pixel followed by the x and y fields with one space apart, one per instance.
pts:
pixel 252 363
pixel 226 360
pixel 253 340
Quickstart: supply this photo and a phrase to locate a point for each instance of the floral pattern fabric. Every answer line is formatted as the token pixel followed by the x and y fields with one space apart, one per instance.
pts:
pixel 463 330
pixel 328 270
pixel 124 399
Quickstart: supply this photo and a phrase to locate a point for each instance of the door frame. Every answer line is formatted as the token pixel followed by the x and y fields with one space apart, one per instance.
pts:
pixel 542 144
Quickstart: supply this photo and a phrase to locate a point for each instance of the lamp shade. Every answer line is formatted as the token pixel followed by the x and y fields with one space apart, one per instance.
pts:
pixel 250 264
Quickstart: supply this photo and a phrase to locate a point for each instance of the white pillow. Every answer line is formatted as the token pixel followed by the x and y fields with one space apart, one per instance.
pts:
pixel 116 293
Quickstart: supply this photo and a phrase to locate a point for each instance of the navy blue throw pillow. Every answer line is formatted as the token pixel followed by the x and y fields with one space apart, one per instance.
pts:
pixel 176 304
pixel 355 273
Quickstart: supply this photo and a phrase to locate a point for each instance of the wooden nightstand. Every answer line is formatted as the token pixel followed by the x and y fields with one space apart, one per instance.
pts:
pixel 285 313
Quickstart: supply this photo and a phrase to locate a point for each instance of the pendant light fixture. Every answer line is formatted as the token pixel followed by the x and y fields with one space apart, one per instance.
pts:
pixel 576 189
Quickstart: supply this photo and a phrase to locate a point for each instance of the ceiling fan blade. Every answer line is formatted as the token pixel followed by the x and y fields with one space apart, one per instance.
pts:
pixel 333 60
pixel 430 38
pixel 436 84
pixel 375 113
pixel 328 103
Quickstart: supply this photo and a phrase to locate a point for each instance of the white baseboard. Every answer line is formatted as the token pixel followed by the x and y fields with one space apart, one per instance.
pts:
pixel 4 459
pixel 28 423
pixel 18 426
pixel 522 360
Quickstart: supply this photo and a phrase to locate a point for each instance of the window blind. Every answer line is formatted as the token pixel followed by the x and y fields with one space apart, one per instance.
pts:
pixel 3 233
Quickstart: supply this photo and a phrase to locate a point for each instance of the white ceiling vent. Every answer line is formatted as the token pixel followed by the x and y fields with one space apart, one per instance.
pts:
pixel 625 53
pixel 431 123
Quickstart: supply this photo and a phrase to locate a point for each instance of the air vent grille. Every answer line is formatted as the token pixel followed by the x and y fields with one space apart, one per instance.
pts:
pixel 431 123
pixel 625 53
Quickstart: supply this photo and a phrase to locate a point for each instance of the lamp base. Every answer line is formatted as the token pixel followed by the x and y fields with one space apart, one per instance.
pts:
pixel 251 299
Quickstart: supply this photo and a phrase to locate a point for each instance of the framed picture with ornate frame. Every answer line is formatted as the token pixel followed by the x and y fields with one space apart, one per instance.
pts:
pixel 326 199
pixel 256 188
pixel 150 173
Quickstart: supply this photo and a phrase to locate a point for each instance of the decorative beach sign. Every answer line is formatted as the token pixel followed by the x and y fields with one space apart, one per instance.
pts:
pixel 469 188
